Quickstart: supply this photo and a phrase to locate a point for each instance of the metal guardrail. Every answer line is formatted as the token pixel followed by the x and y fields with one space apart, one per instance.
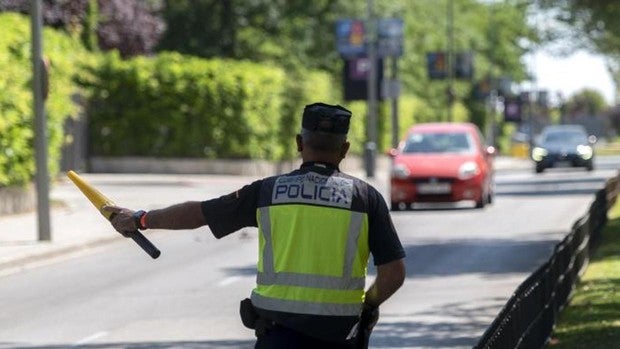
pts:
pixel 527 320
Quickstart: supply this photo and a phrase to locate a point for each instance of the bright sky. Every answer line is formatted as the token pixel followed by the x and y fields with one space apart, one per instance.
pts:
pixel 570 74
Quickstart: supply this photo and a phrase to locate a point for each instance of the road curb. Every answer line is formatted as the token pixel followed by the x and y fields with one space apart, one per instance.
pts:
pixel 24 261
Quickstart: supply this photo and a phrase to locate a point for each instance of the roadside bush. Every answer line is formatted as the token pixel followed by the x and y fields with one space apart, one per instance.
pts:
pixel 17 160
pixel 174 105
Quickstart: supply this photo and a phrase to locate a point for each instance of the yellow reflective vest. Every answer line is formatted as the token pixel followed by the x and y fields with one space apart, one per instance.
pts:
pixel 313 245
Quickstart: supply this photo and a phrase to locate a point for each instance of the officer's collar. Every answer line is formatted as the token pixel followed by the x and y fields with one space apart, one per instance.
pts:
pixel 320 164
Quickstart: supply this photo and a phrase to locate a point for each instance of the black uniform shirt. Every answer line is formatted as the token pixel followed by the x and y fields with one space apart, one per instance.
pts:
pixel 237 210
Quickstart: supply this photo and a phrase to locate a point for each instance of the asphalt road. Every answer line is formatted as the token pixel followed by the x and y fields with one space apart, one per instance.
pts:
pixel 462 266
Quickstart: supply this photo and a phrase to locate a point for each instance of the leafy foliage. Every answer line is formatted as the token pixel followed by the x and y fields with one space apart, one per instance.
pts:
pixel 297 33
pixel 587 101
pixel 60 14
pixel 588 24
pixel 295 36
pixel 172 105
pixel 130 26
pixel 17 165
pixel 293 32
pixel 592 20
pixel 300 35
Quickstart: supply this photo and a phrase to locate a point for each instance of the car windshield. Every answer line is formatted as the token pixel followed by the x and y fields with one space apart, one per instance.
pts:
pixel 455 142
pixel 568 137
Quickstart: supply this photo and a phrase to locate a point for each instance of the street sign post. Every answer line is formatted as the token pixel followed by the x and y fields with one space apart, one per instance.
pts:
pixel 363 45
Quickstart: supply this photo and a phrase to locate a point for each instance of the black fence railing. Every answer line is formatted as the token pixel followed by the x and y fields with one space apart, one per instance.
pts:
pixel 528 318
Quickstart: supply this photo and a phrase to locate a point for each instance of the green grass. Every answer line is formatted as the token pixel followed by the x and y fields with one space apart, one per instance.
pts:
pixel 609 148
pixel 592 320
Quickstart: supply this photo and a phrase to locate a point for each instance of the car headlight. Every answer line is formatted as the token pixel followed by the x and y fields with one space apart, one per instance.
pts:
pixel 400 171
pixel 539 153
pixel 468 170
pixel 584 151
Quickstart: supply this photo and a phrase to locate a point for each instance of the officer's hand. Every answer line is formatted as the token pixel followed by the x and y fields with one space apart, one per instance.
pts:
pixel 369 317
pixel 122 219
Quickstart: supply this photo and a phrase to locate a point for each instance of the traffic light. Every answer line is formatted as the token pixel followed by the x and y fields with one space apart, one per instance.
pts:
pixel 462 65
pixel 482 89
pixel 512 109
pixel 437 64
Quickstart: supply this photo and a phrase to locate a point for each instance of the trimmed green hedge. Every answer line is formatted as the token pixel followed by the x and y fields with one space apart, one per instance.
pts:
pixel 173 105
pixel 17 158
pixel 168 105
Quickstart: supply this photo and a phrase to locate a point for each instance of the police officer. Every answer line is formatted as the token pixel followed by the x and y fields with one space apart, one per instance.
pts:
pixel 317 227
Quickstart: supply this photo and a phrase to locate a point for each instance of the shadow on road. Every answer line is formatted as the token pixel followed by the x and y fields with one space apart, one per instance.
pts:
pixel 441 330
pixel 484 256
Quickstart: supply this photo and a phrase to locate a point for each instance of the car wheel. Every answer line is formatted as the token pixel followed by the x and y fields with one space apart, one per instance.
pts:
pixel 394 206
pixel 590 166
pixel 539 169
pixel 490 198
pixel 482 202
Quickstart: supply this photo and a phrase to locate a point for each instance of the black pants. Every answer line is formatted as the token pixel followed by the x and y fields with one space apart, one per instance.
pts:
pixel 280 337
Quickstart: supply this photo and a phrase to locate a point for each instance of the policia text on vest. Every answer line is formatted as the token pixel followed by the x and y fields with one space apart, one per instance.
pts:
pixel 313 188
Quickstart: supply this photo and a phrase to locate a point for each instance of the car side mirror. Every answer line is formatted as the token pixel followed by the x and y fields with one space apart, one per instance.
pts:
pixel 491 150
pixel 392 152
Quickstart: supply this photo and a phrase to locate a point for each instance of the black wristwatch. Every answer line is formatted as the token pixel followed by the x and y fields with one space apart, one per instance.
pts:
pixel 137 218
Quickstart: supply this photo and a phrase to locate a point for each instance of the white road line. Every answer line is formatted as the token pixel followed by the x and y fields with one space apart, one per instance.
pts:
pixel 228 281
pixel 90 338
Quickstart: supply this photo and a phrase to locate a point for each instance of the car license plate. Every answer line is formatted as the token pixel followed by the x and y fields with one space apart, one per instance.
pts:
pixel 562 163
pixel 434 188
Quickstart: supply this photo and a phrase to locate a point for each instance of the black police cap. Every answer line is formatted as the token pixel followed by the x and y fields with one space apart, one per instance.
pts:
pixel 326 118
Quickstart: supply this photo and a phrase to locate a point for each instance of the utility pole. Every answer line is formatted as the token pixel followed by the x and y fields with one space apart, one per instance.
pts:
pixel 370 150
pixel 40 123
pixel 395 126
pixel 450 37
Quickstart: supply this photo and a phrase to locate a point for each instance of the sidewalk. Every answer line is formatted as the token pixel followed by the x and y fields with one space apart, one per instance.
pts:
pixel 76 226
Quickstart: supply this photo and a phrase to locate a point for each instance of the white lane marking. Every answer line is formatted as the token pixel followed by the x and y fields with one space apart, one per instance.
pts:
pixel 90 338
pixel 228 281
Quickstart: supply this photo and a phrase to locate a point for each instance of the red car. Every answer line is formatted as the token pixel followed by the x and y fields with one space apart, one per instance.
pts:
pixel 442 162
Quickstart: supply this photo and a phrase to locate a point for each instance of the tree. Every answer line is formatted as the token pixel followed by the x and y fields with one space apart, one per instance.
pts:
pixel 497 33
pixel 59 14
pixel 586 102
pixel 131 26
pixel 289 32
pixel 588 24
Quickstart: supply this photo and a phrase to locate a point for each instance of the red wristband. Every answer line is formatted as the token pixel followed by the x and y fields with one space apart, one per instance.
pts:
pixel 143 221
